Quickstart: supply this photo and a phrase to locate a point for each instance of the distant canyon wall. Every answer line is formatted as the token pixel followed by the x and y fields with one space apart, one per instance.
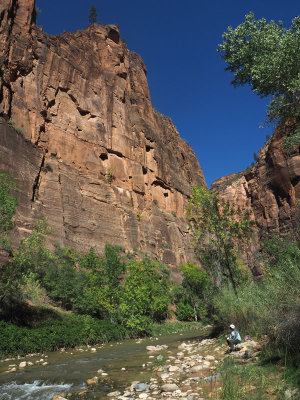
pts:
pixel 270 189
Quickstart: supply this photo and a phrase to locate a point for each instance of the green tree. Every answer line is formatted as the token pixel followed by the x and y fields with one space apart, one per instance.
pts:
pixel 63 280
pixel 93 14
pixel 195 284
pixel 30 257
pixel 266 57
pixel 146 295
pixel 102 292
pixel 218 229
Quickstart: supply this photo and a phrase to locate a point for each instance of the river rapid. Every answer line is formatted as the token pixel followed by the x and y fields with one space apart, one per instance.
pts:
pixel 118 364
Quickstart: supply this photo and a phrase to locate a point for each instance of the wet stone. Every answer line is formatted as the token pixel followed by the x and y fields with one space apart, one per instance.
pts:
pixel 140 387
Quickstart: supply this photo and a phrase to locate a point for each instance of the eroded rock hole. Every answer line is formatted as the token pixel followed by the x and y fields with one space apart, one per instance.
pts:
pixel 51 103
pixel 144 170
pixel 103 156
pixel 82 112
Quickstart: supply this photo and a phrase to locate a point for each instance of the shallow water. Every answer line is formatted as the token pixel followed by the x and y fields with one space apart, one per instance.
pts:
pixel 68 371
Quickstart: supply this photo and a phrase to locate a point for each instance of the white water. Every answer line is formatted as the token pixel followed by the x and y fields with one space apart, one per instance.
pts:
pixel 30 391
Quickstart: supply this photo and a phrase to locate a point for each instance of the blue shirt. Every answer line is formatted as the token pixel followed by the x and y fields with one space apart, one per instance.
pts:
pixel 234 335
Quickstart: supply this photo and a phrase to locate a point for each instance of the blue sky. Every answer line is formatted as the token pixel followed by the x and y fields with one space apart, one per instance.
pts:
pixel 178 41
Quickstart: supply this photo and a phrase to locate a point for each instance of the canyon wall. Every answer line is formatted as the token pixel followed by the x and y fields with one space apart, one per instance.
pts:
pixel 270 188
pixel 91 154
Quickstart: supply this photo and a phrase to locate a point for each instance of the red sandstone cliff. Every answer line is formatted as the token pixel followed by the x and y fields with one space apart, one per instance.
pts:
pixel 98 161
pixel 270 188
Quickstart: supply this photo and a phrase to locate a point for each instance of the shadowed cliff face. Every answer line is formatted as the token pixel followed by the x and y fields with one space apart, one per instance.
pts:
pixel 107 167
pixel 270 189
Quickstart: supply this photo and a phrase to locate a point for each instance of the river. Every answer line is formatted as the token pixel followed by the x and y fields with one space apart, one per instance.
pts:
pixel 67 371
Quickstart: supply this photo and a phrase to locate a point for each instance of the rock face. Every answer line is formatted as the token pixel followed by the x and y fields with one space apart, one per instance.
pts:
pixel 96 159
pixel 270 188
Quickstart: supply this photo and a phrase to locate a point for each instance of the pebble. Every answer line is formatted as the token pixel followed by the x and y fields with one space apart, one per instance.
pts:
pixel 143 395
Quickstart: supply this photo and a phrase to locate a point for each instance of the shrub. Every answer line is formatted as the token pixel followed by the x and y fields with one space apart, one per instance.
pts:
pixel 264 307
pixel 292 139
pixel 185 312
pixel 65 331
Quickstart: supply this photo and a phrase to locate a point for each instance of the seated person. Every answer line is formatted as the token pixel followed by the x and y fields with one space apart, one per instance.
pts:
pixel 234 337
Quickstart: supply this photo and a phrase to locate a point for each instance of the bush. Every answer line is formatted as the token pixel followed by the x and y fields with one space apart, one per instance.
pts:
pixel 184 312
pixel 65 331
pixel 264 307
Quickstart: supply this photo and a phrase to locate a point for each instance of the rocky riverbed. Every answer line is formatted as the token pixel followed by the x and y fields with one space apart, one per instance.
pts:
pixel 189 373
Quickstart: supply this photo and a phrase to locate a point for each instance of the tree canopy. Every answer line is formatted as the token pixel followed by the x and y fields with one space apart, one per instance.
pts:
pixel 266 56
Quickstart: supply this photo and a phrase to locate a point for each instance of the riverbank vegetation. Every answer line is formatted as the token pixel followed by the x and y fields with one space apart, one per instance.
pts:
pixel 60 298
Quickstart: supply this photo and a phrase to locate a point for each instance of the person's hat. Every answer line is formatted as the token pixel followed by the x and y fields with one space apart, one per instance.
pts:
pixel 232 326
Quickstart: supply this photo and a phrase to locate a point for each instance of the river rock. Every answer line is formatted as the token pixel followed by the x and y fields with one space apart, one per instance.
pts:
pixel 251 345
pixel 58 397
pixel 164 376
pixel 92 381
pixel 197 368
pixel 169 387
pixel 156 348
pixel 206 364
pixel 143 395
pixel 292 393
pixel 140 387
pixel 173 368
pixel 22 364
pixel 93 350
pixel 183 346
pixel 210 358
pixel 114 394
pixel 133 385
